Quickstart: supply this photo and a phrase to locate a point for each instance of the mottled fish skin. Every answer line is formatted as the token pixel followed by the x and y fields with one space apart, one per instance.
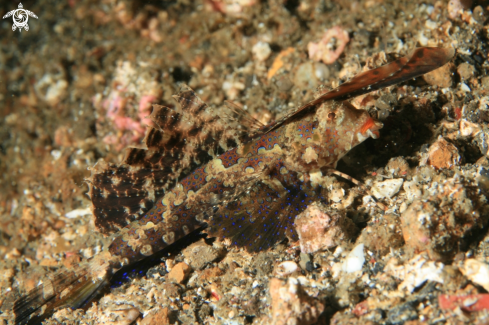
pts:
pixel 182 139
pixel 244 184
pixel 276 160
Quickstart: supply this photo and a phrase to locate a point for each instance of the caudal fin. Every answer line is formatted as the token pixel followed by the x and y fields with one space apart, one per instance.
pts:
pixel 69 289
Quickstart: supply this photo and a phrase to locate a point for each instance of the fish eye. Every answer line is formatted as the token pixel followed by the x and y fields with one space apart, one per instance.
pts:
pixel 331 115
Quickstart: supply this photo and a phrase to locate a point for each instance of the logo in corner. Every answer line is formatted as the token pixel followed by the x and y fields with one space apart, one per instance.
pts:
pixel 21 17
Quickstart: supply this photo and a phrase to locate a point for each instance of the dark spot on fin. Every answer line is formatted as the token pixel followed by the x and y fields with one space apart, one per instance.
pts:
pixel 182 138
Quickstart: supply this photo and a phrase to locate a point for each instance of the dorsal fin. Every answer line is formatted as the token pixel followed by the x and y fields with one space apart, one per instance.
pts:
pixel 183 138
pixel 421 61
pixel 244 118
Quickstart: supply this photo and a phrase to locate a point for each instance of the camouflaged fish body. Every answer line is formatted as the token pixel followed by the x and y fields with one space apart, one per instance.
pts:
pixel 247 187
pixel 275 163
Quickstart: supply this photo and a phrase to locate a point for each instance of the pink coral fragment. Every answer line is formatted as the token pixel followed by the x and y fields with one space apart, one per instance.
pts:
pixel 230 7
pixel 330 47
pixel 115 106
pixel 319 230
pixel 145 108
pixel 468 303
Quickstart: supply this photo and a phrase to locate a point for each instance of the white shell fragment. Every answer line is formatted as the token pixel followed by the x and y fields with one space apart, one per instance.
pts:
pixel 415 272
pixel 78 213
pixel 286 268
pixel 387 188
pixel 355 259
pixel 477 272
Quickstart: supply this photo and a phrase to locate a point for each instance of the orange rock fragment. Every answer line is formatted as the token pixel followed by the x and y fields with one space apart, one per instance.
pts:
pixel 443 154
pixel 158 318
pixel 278 62
pixel 441 77
pixel 179 273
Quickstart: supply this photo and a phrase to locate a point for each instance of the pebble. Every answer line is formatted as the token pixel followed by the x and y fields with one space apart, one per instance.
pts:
pixel 468 129
pixel 291 305
pixel 200 254
pixel 442 154
pixel 464 302
pixel 354 260
pixel 261 51
pixel 440 218
pixel 466 71
pixel 387 188
pixel 73 214
pixel 52 89
pixel 416 223
pixel 159 317
pixel 284 84
pixel 477 272
pixel 464 87
pixel 382 236
pixel 123 316
pixel 397 166
pixel 485 82
pixel 479 15
pixel 455 7
pixel 386 102
pixel 319 230
pixel 287 268
pixel 412 190
pixel 179 273
pixel 415 272
pixel 441 77
pixel 309 75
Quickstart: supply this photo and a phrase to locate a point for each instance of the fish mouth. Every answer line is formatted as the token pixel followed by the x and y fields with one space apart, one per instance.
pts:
pixel 371 128
pixel 373 134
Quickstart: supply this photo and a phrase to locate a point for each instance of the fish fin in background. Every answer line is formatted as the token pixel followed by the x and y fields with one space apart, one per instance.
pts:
pixel 66 289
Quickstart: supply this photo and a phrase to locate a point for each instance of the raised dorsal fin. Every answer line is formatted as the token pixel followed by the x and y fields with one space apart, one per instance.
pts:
pixel 243 118
pixel 421 61
pixel 183 138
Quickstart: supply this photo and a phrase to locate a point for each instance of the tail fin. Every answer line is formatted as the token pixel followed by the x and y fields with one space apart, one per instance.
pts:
pixel 68 289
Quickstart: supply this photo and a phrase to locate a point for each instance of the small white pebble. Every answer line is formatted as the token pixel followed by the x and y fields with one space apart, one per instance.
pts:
pixel 387 188
pixel 423 40
pixel 355 259
pixel 78 213
pixel 286 268
pixel 464 87
pixel 430 24
pixel 56 154
pixel 261 51
pixel 338 251
pixel 477 272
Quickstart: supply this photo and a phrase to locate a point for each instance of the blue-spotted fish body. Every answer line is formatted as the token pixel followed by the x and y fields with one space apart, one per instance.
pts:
pixel 234 178
pixel 278 161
